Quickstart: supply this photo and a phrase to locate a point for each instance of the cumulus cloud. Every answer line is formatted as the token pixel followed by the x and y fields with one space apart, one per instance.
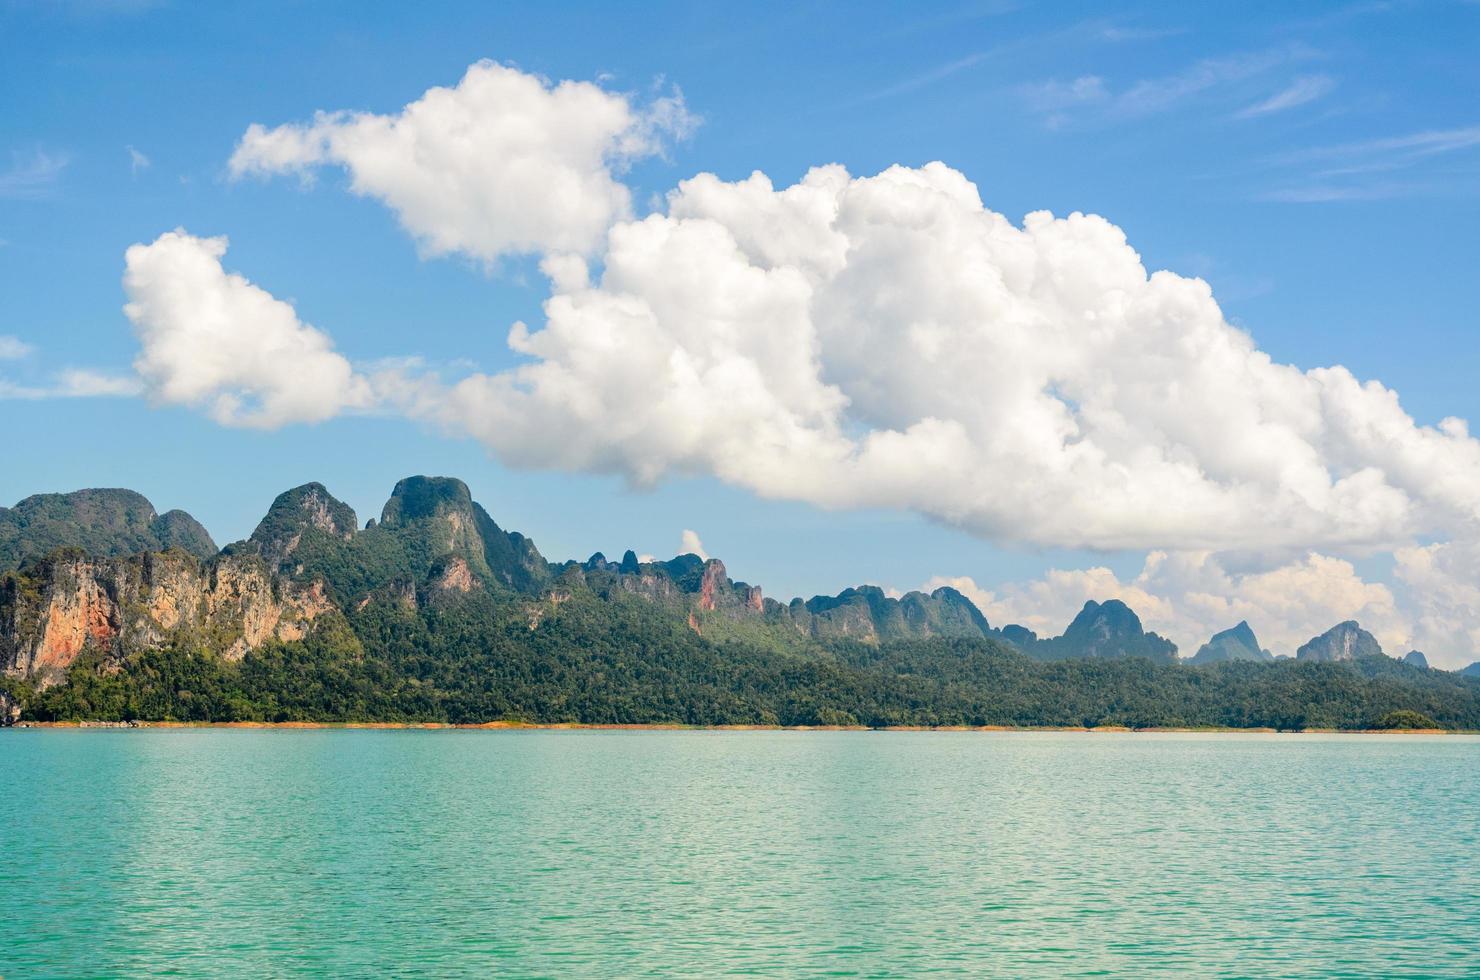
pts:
pixel 889 342
pixel 883 341
pixel 503 162
pixel 212 340
pixel 1189 596
pixel 1442 584
pixel 689 544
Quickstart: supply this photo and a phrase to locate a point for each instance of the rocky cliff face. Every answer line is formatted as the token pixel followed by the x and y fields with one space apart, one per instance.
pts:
pixel 437 517
pixel 302 510
pixel 1344 641
pixel 72 602
pixel 432 546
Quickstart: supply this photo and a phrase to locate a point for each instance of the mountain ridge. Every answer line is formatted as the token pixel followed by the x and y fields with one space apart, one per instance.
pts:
pixel 310 578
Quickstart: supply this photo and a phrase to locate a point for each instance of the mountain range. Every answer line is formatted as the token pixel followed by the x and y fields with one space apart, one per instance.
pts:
pixel 95 586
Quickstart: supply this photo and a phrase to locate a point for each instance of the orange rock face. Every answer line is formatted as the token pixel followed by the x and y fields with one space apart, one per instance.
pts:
pixel 457 577
pixel 73 619
pixel 113 605
pixel 753 598
pixel 709 585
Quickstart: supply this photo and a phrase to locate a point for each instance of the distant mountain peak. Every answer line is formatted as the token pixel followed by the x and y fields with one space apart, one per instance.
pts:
pixel 1344 641
pixel 293 512
pixel 1415 658
pixel 1236 643
pixel 420 497
pixel 102 521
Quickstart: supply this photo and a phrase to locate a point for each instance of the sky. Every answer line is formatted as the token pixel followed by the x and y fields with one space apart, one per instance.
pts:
pixel 1047 302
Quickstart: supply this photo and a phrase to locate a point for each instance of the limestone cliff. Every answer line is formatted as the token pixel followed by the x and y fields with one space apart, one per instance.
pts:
pixel 306 509
pixel 71 602
pixel 1344 641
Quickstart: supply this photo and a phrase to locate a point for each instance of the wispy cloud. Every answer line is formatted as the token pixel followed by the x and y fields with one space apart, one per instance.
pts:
pixel 1150 96
pixel 137 161
pixel 75 383
pixel 1057 95
pixel 13 348
pixel 1117 34
pixel 1328 193
pixel 1306 89
pixel 1346 171
pixel 1412 146
pixel 32 175
pixel 929 77
pixel 1159 94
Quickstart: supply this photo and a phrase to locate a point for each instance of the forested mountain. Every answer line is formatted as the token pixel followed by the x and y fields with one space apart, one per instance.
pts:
pixel 99 522
pixel 1344 641
pixel 434 612
pixel 1238 643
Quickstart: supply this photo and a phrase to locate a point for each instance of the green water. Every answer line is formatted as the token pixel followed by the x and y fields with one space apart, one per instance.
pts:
pixel 376 854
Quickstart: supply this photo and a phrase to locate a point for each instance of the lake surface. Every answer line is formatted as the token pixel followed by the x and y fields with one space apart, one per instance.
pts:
pixel 570 853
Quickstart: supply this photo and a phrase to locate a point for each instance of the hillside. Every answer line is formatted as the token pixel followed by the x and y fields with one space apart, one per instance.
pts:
pixel 434 612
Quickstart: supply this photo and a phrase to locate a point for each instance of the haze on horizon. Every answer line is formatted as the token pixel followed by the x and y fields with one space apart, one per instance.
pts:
pixel 879 338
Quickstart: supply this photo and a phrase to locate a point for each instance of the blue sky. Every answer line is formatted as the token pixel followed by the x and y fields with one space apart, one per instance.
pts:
pixel 1320 169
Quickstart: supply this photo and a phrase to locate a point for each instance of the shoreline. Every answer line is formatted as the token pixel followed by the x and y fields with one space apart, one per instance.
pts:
pixel 515 726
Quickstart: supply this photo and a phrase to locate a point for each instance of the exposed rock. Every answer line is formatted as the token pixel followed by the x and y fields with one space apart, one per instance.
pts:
pixel 10 709
pixel 1238 643
pixel 1344 641
pixel 310 507
pixel 754 600
pixel 456 577
pixel 436 516
pixel 713 580
pixel 71 602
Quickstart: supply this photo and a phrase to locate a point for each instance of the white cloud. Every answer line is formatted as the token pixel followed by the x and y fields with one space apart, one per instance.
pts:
pixel 1203 79
pixel 873 342
pixel 888 342
pixel 13 348
pixel 1394 166
pixel 32 176
pixel 689 544
pixel 1306 89
pixel 1189 596
pixel 881 342
pixel 1056 94
pixel 502 163
pixel 137 161
pixel 213 340
pixel 74 383
pixel 82 383
pixel 1442 582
